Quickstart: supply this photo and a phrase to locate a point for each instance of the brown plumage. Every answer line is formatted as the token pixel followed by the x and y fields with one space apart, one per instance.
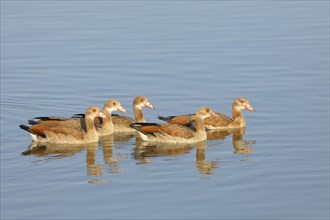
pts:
pixel 104 126
pixel 180 120
pixel 66 134
pixel 170 129
pixel 173 133
pixel 59 121
pixel 122 123
pixel 218 120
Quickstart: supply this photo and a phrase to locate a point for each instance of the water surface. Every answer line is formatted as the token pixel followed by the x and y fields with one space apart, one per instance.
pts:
pixel 59 57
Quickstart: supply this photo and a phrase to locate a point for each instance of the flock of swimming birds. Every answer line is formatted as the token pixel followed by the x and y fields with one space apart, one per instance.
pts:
pixel 88 127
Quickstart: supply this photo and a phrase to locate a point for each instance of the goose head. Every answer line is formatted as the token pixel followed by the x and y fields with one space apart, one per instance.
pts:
pixel 93 112
pixel 113 105
pixel 243 103
pixel 205 112
pixel 142 101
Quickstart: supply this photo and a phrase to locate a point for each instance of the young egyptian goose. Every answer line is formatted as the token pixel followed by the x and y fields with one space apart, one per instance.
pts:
pixel 65 134
pixel 107 126
pixel 173 133
pixel 220 121
pixel 122 123
pixel 104 126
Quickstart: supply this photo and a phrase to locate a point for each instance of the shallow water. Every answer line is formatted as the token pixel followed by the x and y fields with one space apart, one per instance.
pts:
pixel 58 58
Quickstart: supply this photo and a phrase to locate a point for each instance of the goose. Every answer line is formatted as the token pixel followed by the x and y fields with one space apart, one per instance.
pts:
pixel 104 126
pixel 65 134
pixel 218 120
pixel 122 123
pixel 173 133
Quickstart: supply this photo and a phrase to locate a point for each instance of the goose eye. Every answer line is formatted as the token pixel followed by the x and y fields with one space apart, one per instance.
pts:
pixel 113 103
pixel 94 110
pixel 142 100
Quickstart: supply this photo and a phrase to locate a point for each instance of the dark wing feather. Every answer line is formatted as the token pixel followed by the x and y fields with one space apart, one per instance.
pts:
pixel 146 128
pixel 55 118
pixel 78 116
pixel 169 129
pixel 180 119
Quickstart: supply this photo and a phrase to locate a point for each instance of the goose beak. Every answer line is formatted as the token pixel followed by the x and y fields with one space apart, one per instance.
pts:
pixel 148 104
pixel 121 109
pixel 249 108
pixel 101 115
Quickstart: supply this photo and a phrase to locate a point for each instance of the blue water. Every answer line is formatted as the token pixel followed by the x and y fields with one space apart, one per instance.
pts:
pixel 59 57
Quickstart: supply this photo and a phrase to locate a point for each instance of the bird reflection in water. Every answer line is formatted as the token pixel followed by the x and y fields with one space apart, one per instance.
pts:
pixel 122 136
pixel 202 165
pixel 107 143
pixel 49 151
pixel 53 151
pixel 144 152
pixel 93 169
pixel 240 146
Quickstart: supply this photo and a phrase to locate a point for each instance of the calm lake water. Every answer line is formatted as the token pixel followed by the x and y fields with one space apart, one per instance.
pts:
pixel 59 57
